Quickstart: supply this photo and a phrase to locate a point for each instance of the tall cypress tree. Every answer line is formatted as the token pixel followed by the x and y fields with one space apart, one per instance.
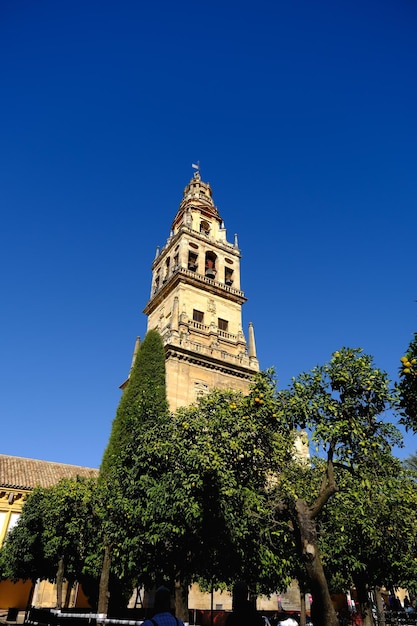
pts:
pixel 142 411
pixel 143 402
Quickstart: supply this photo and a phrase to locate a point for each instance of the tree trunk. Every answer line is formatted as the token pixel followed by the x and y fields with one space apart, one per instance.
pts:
pixel 363 599
pixel 103 594
pixel 70 587
pixel 181 600
pixel 302 608
pixel 59 582
pixel 30 596
pixel 380 613
pixel 323 612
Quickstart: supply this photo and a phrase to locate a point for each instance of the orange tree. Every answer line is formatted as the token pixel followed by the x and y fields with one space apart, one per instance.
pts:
pixel 226 450
pixel 22 554
pixel 342 404
pixel 407 387
pixel 240 501
pixel 368 532
pixel 54 535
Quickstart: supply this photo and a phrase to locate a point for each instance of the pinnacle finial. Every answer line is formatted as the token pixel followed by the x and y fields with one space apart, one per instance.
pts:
pixel 251 342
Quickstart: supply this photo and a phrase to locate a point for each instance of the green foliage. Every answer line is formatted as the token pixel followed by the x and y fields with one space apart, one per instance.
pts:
pixel 225 449
pixel 142 403
pixel 199 492
pixel 187 496
pixel 342 404
pixel 372 529
pixel 407 387
pixel 56 523
pixel 22 555
pixel 214 492
pixel 133 462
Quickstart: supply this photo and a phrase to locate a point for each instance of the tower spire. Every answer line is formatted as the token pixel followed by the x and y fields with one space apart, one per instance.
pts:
pixel 197 272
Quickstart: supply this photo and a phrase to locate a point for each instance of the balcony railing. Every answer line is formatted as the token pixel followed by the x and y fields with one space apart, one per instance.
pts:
pixel 204 279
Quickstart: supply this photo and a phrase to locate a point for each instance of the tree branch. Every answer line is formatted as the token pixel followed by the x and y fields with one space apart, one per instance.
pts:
pixel 328 486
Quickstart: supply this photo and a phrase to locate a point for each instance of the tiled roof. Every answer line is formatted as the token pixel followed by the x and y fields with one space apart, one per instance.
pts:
pixel 22 473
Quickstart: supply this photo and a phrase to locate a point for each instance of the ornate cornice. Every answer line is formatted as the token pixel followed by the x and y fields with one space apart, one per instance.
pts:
pixel 210 363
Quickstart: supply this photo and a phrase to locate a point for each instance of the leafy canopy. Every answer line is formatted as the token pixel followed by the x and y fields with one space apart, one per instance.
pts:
pixel 407 387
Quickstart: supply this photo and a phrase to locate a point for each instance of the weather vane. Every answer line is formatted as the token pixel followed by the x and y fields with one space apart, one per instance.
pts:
pixel 196 166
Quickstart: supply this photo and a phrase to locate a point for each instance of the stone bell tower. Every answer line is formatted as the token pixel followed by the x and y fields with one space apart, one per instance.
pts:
pixel 196 303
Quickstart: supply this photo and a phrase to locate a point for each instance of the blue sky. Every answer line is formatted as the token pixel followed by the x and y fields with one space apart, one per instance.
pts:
pixel 303 117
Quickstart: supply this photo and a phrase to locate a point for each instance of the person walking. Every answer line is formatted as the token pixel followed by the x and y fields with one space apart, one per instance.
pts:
pixel 163 615
pixel 244 612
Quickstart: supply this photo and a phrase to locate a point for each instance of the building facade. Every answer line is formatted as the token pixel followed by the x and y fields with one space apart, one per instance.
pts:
pixel 196 303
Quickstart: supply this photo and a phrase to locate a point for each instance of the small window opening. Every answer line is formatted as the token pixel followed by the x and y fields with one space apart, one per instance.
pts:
pixel 167 263
pixel 192 261
pixel 222 324
pixel 157 281
pixel 228 276
pixel 198 316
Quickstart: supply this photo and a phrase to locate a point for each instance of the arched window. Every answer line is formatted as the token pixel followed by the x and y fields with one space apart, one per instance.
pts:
pixel 167 263
pixel 204 227
pixel 157 281
pixel 192 261
pixel 210 266
pixel 228 276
